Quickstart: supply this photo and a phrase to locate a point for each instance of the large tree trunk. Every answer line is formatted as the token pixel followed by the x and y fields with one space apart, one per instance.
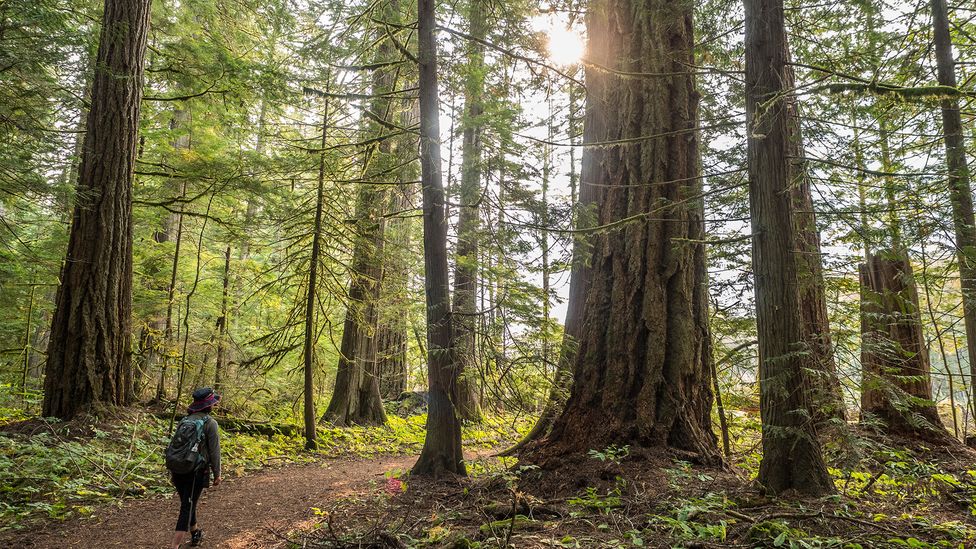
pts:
pixel 642 368
pixel 442 446
pixel 960 188
pixel 896 386
pixel 391 331
pixel 90 350
pixel 356 399
pixel 792 457
pixel 469 220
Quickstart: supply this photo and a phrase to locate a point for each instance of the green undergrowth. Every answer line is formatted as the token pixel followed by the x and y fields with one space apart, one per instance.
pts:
pixel 52 470
pixel 887 496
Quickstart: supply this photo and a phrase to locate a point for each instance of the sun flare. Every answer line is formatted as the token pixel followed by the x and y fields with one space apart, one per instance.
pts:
pixel 565 46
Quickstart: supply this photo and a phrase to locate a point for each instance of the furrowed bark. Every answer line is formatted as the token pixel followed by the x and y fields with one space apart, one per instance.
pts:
pixel 90 347
pixel 469 220
pixel 792 458
pixel 643 364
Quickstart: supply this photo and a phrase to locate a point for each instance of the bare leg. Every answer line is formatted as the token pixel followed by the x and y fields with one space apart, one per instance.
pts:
pixel 178 537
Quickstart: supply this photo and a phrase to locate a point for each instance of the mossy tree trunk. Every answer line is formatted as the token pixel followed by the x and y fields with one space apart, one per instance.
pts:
pixel 643 362
pixel 89 355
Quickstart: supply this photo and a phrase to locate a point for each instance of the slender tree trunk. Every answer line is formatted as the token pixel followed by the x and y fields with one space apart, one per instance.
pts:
pixel 827 402
pixel 792 458
pixel 544 243
pixel 960 187
pixel 171 229
pixel 185 313
pixel 311 297
pixel 442 446
pixel 896 386
pixel 89 354
pixel 222 327
pixel 644 358
pixel 27 343
pixel 168 339
pixel 41 337
pixel 251 213
pixel 469 218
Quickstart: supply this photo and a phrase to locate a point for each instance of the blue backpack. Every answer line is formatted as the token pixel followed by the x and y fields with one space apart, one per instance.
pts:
pixel 185 451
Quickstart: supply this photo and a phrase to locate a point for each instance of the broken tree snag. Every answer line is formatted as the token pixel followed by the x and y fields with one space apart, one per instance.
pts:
pixel 896 387
pixel 641 374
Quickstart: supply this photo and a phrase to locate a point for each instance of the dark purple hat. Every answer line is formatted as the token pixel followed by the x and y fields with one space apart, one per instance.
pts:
pixel 202 399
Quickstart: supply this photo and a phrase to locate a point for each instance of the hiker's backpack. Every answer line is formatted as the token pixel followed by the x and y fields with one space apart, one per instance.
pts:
pixel 185 451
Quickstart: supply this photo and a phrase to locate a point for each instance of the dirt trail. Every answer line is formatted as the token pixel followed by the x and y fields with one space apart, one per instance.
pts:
pixel 240 513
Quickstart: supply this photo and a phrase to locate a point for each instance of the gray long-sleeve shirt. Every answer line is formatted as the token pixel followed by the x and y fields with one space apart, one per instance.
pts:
pixel 211 439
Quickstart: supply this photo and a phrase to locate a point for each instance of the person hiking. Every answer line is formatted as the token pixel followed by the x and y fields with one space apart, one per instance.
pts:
pixel 204 449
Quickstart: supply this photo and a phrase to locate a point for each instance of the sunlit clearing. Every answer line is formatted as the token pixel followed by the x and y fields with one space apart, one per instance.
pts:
pixel 565 46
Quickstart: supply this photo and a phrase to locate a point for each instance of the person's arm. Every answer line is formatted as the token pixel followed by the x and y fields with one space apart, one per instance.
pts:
pixel 213 447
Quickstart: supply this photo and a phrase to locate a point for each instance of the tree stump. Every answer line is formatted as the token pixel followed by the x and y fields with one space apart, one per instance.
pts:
pixel 896 387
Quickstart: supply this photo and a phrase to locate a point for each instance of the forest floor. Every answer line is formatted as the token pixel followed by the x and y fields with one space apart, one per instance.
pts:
pixel 247 511
pixel 57 485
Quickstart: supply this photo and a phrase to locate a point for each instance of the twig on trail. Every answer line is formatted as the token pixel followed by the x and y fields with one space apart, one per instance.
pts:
pixel 379 535
pixel 874 478
pixel 806 516
pixel 740 516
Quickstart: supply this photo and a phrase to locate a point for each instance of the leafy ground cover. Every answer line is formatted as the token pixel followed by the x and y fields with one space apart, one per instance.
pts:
pixel 889 494
pixel 55 470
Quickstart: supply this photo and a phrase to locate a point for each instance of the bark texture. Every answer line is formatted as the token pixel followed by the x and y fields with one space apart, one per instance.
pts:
pixel 356 399
pixel 792 458
pixel 469 220
pixel 89 355
pixel 960 185
pixel 896 385
pixel 441 453
pixel 643 363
